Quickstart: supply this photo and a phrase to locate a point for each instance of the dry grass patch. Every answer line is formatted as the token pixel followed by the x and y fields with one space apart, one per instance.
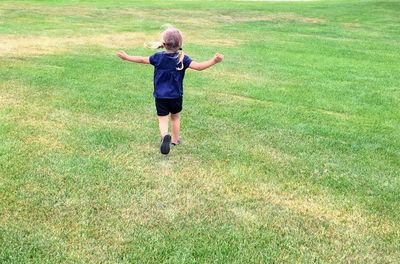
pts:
pixel 270 154
pixel 40 45
pixel 213 18
pixel 315 207
pixel 124 121
pixel 43 119
pixel 351 25
pixel 44 124
pixel 8 95
pixel 20 46
pixel 200 37
pixel 279 17
pixel 46 141
pixel 29 45
pixel 161 205
pixel 320 207
pixel 45 133
pixel 325 38
pixel 173 193
pixel 225 98
pixel 344 215
pixel 194 21
pixel 63 11
pixel 176 17
pixel 9 100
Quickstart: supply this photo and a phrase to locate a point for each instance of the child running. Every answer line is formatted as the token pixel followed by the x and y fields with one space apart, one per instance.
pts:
pixel 169 70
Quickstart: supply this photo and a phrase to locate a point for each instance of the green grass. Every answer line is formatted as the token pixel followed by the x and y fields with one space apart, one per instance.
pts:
pixel 291 148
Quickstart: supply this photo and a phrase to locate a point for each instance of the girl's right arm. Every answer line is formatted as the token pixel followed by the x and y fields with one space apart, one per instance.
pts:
pixel 137 59
pixel 199 66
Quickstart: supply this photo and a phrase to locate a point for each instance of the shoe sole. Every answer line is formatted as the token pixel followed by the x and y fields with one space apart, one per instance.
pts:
pixel 165 145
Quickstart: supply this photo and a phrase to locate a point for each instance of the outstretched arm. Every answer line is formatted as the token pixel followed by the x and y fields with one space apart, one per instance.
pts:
pixel 138 59
pixel 199 66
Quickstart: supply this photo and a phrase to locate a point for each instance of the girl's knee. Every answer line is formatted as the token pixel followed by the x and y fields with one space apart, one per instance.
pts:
pixel 175 116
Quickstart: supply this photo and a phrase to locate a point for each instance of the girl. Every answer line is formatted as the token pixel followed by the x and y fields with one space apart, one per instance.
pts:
pixel 169 70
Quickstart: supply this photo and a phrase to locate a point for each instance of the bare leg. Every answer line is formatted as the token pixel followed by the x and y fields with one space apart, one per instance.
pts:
pixel 176 127
pixel 163 124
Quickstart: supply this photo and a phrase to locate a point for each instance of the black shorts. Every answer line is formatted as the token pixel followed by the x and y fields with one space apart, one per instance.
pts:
pixel 166 106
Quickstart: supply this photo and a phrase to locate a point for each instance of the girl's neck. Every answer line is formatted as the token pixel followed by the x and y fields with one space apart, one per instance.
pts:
pixel 170 51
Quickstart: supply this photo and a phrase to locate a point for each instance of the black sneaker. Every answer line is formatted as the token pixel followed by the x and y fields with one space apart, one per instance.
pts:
pixel 165 144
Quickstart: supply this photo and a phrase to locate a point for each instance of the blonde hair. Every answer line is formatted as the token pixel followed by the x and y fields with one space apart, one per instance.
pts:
pixel 171 39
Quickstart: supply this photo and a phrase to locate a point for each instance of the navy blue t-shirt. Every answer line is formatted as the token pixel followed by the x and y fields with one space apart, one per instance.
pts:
pixel 168 81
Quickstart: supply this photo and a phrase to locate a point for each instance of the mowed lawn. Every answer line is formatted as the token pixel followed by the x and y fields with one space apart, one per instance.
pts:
pixel 291 146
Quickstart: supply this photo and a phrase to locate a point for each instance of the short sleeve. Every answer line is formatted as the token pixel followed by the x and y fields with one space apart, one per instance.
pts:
pixel 186 61
pixel 153 59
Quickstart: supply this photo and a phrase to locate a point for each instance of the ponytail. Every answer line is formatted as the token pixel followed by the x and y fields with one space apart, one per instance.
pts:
pixel 180 57
pixel 154 45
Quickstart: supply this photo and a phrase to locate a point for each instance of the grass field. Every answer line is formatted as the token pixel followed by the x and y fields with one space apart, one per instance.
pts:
pixel 291 148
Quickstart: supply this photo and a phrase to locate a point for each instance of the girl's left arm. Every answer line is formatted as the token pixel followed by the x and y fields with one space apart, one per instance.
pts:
pixel 137 59
pixel 199 66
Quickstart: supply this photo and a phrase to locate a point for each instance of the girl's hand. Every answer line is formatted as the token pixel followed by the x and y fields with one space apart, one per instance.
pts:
pixel 218 57
pixel 122 54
